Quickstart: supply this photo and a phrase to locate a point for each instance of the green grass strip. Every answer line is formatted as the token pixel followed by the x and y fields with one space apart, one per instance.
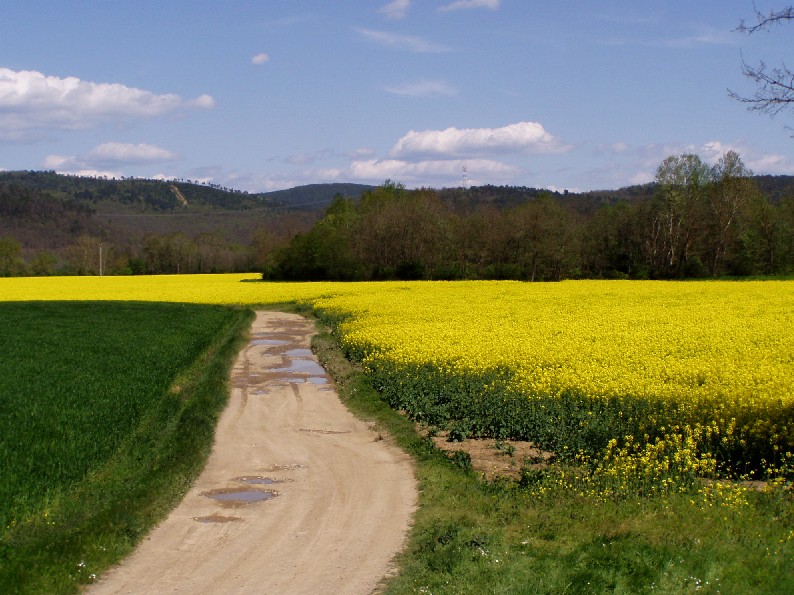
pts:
pixel 107 414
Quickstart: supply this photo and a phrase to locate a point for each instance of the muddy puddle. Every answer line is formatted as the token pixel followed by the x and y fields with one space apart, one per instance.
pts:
pixel 294 364
pixel 236 497
pixel 298 353
pixel 301 366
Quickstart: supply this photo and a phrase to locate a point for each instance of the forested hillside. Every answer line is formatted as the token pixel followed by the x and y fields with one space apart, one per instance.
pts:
pixel 52 223
pixel 692 221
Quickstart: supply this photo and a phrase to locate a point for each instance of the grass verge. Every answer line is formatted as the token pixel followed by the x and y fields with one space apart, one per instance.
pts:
pixel 107 415
pixel 471 536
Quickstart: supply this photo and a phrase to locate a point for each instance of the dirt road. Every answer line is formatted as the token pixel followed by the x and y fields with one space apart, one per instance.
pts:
pixel 298 496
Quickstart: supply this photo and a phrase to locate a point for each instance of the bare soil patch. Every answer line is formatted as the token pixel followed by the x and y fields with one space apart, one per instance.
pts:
pixel 494 459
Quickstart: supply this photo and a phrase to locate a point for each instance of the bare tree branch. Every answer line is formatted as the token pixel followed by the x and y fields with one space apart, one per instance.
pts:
pixel 775 86
pixel 764 20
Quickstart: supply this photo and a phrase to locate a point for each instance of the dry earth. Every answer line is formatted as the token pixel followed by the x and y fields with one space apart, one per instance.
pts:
pixel 298 496
pixel 494 459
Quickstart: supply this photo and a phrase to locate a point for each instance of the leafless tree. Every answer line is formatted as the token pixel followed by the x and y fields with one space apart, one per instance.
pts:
pixel 775 86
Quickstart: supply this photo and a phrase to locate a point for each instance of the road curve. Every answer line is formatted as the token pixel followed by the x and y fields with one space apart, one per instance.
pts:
pixel 298 495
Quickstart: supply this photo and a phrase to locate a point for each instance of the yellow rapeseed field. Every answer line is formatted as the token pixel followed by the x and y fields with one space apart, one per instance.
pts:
pixel 678 341
pixel 603 359
pixel 574 365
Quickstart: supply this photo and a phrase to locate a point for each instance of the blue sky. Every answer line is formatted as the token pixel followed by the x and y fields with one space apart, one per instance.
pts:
pixel 264 95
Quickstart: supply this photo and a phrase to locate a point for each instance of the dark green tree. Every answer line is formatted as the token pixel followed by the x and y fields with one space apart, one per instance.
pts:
pixel 10 251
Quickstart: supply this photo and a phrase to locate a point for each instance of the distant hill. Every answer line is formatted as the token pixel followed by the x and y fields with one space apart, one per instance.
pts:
pixel 130 194
pixel 313 196
pixel 776 188
pixel 110 195
pixel 46 210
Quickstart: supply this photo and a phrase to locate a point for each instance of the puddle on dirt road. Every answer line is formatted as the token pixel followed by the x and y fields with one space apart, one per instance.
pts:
pixel 295 363
pixel 302 366
pixel 299 380
pixel 239 496
pixel 216 518
pixel 256 480
pixel 298 353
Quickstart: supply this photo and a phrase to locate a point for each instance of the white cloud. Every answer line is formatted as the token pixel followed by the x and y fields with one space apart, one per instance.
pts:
pixel 453 142
pixel 423 89
pixel 396 9
pixel 402 42
pixel 59 162
pixel 771 164
pixel 468 4
pixel 421 173
pixel 638 165
pixel 260 59
pixel 95 173
pixel 435 173
pixel 72 165
pixel 31 102
pixel 202 101
pixel 108 154
pixel 710 152
pixel 128 153
pixel 757 161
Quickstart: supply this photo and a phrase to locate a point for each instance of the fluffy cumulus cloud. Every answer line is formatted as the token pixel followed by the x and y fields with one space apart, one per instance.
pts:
pixel 468 4
pixel 396 9
pixel 31 102
pixel 260 59
pixel 423 89
pixel 470 142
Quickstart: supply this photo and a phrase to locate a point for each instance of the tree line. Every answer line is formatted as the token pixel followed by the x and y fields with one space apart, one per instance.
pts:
pixel 698 221
pixel 694 220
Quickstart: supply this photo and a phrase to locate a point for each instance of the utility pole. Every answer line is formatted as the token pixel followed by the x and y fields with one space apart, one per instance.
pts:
pixel 100 260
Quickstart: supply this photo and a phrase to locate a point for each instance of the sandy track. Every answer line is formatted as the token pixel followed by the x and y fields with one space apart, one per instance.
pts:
pixel 341 505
